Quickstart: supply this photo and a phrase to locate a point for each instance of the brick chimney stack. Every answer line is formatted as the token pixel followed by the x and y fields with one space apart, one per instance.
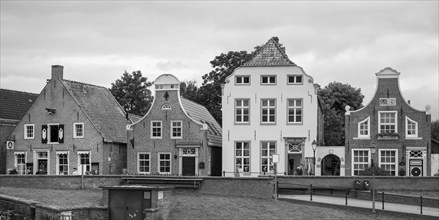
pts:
pixel 57 72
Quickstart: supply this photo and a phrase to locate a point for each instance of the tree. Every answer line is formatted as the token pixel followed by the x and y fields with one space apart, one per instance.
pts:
pixel 435 130
pixel 189 90
pixel 335 96
pixel 132 93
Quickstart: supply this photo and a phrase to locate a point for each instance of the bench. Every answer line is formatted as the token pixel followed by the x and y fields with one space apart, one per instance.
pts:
pixel 176 182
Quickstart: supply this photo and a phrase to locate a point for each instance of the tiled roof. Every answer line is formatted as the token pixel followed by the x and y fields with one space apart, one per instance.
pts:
pixel 134 118
pixel 199 113
pixel 15 104
pixel 102 108
pixel 270 55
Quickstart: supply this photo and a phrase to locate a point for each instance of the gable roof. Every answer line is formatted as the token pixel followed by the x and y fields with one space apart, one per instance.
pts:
pixel 15 104
pixel 101 108
pixel 200 114
pixel 270 54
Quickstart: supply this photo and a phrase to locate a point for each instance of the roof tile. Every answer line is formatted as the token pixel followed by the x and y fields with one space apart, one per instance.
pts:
pixel 270 55
pixel 15 104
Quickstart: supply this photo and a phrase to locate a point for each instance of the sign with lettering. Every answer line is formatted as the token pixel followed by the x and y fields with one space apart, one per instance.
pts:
pixel 387 101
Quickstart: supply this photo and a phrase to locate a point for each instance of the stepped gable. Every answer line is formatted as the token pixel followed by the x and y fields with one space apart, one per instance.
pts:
pixel 102 109
pixel 270 54
pixel 15 104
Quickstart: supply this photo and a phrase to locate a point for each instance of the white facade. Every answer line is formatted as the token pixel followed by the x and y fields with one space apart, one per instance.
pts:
pixel 291 140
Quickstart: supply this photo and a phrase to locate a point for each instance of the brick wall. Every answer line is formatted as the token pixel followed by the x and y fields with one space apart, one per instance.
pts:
pixel 245 187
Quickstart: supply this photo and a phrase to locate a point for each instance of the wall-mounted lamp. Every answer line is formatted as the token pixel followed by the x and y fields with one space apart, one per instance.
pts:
pixel 51 111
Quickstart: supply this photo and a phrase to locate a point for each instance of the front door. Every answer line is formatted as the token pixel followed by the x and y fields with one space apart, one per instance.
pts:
pixel 293 163
pixel 42 166
pixel 188 166
pixel 126 204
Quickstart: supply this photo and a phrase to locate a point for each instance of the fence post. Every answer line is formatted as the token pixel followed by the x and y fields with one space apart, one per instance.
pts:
pixel 346 196
pixel 224 173
pixel 277 189
pixel 382 199
pixel 310 192
pixel 421 205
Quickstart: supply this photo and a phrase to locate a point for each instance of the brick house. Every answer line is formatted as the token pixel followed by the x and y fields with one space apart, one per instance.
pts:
pixel 176 136
pixel 13 105
pixel 270 106
pixel 388 132
pixel 70 125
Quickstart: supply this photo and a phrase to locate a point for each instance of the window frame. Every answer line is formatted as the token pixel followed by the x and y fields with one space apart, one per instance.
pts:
pixel 148 160
pixel 268 83
pixel 159 160
pixel 16 164
pixel 360 129
pixel 242 77
pixel 25 135
pixel 58 164
pixel 268 107
pixel 369 159
pixel 152 129
pixel 75 133
pixel 379 121
pixel 295 80
pixel 407 135
pixel 79 153
pixel 270 165
pixel 49 133
pixel 242 107
pixel 388 163
pixel 295 111
pixel 172 129
pixel 242 157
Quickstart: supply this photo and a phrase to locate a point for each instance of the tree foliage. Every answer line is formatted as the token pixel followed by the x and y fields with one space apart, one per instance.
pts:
pixel 435 130
pixel 335 96
pixel 132 92
pixel 189 90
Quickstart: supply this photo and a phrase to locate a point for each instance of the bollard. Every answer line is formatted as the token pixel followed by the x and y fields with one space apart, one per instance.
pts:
pixel 310 192
pixel 421 205
pixel 382 199
pixel 224 173
pixel 346 196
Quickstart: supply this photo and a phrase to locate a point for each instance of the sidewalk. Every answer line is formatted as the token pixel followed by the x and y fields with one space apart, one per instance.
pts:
pixel 365 204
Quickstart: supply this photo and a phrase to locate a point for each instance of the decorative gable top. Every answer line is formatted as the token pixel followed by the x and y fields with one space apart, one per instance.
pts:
pixel 167 82
pixel 270 54
pixel 387 73
pixel 15 104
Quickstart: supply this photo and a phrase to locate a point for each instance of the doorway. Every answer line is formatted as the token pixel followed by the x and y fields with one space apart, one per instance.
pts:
pixel 293 162
pixel 331 165
pixel 188 166
pixel 42 162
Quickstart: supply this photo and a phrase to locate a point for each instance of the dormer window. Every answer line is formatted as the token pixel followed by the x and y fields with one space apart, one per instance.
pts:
pixel 268 80
pixel 242 80
pixel 411 128
pixel 364 128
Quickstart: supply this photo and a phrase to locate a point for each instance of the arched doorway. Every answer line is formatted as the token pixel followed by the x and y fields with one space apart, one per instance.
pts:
pixel 331 165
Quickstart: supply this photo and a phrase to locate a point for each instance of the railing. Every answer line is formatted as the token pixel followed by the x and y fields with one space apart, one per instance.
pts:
pixel 243 174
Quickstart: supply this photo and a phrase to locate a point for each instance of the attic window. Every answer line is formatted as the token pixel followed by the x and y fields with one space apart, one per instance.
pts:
pixel 166 106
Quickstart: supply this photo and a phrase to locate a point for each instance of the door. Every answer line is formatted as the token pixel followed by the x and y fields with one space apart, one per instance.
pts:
pixel 188 166
pixel 216 160
pixel 42 166
pixel 293 163
pixel 125 204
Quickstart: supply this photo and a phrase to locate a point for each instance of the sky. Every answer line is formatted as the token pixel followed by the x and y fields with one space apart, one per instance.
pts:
pixel 344 41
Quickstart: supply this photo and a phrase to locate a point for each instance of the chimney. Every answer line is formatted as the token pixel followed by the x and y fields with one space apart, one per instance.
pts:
pixel 57 72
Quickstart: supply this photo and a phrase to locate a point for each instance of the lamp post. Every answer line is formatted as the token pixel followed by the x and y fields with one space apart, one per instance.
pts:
pixel 275 161
pixel 314 146
pixel 373 180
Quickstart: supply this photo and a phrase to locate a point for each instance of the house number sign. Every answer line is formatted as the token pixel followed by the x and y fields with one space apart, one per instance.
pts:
pixel 387 101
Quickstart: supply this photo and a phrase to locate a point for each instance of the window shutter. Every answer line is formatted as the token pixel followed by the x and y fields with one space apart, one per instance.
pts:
pixel 44 134
pixel 61 134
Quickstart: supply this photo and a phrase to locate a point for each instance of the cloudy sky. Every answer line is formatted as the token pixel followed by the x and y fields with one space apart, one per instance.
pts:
pixel 340 41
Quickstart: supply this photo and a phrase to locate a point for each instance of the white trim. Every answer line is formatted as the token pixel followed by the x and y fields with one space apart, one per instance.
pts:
pixel 295 112
pixel 295 79
pixel 414 136
pixel 268 157
pixel 268 107
pixel 25 131
pixel 138 162
pixel 181 129
pixel 57 161
pixel 79 166
pixel 396 159
pixel 243 83
pixel 352 158
pixel 151 129
pixel 268 83
pixel 379 120
pixel 170 162
pixel 49 131
pixel 25 161
pixel 74 130
pixel 35 164
pixel 368 129
pixel 242 122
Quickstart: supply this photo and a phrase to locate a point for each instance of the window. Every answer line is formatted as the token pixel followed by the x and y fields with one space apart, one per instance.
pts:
pixel 29 131
pixel 242 111
pixel 62 163
pixel 143 163
pixel 20 162
pixel 268 111
pixel 84 161
pixel 156 129
pixel 242 80
pixel 364 128
pixel 295 79
pixel 387 122
pixel 78 130
pixel 165 163
pixel 242 156
pixel 295 111
pixel 268 149
pixel 411 128
pixel 268 80
pixel 360 161
pixel 176 129
pixel 52 134
pixel 388 161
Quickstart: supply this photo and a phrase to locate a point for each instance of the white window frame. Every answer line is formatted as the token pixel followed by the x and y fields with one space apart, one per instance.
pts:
pixel 148 160
pixel 57 162
pixel 388 163
pixel 242 77
pixel 79 153
pixel 367 120
pixel 242 157
pixel 363 163
pixel 242 109
pixel 152 129
pixel 75 133
pixel 26 126
pixel 268 108
pixel 407 120
pixel 295 107
pixel 269 155
pixel 49 130
pixel 269 77
pixel 16 164
pixel 176 127
pixel 170 162
pixel 379 121
pixel 295 80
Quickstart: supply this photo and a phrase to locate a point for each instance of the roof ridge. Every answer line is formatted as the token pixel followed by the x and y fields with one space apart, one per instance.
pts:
pixel 12 90
pixel 88 84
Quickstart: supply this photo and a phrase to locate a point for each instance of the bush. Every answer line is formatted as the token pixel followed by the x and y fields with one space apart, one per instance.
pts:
pixel 378 172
